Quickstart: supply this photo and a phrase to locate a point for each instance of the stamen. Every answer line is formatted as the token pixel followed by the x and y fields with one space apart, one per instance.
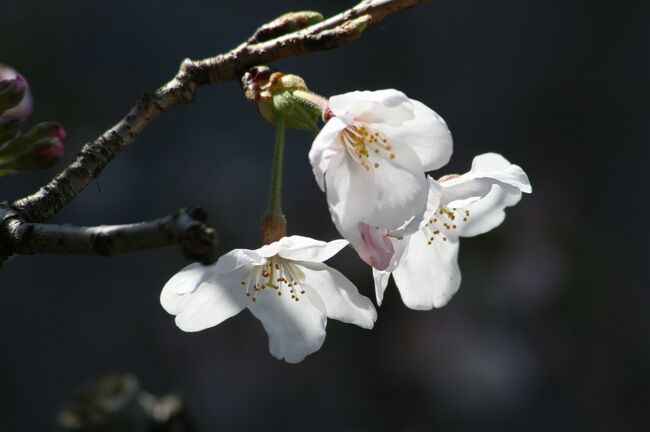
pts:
pixel 360 142
pixel 444 222
pixel 276 273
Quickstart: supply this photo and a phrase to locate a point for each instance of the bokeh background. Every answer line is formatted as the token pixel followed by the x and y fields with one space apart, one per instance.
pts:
pixel 551 327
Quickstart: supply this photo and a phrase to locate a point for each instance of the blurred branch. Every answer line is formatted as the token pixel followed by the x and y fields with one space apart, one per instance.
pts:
pixel 292 34
pixel 117 402
pixel 186 227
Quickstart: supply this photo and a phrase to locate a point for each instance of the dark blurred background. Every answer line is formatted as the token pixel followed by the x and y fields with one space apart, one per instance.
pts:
pixel 550 329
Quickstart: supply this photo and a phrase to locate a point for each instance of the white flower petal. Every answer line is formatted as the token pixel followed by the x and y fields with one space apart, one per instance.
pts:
pixel 299 248
pixel 351 195
pixel 462 193
pixel 488 212
pixel 427 275
pixel 401 190
pixel 495 166
pixel 183 282
pixel 381 282
pixel 434 197
pixel 325 146
pixel 380 277
pixel 491 167
pixel 427 135
pixel 341 298
pixel 210 303
pixel 235 259
pixel 295 328
pixel 382 106
pixel 492 185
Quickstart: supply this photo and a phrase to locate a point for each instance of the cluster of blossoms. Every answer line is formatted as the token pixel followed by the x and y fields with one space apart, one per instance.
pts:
pixel 370 159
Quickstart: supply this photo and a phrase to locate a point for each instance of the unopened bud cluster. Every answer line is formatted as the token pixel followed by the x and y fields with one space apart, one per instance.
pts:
pixel 38 148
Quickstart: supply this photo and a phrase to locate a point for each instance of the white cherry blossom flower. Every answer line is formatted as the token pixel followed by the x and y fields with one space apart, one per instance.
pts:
pixel 370 159
pixel 425 263
pixel 284 284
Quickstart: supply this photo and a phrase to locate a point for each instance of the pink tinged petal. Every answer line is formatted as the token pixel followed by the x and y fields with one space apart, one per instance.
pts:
pixel 401 190
pixel 326 145
pixel 339 297
pixel 375 247
pixel 212 301
pixel 299 248
pixel 426 134
pixel 381 277
pixel 427 275
pixel 383 106
pixel 351 196
pixel 295 328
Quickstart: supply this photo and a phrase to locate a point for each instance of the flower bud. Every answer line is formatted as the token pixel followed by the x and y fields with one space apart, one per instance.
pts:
pixel 44 154
pixel 39 148
pixel 12 91
pixel 15 98
pixel 277 94
pixel 8 128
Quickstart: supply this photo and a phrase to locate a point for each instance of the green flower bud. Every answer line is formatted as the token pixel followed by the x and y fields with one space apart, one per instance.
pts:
pixel 277 94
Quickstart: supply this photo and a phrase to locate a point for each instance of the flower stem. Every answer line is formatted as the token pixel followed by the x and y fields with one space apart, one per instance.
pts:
pixel 275 195
pixel 273 224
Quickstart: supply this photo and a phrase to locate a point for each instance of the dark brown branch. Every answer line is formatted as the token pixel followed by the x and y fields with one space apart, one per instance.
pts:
pixel 328 34
pixel 186 227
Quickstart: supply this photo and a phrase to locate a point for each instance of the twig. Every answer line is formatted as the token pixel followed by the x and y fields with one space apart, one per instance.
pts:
pixel 186 227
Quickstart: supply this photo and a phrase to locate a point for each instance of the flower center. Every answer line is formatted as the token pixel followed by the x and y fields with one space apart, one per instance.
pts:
pixel 443 220
pixel 363 144
pixel 275 276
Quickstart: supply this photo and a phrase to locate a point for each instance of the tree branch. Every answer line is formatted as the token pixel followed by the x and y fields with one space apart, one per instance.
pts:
pixel 338 30
pixel 20 227
pixel 186 227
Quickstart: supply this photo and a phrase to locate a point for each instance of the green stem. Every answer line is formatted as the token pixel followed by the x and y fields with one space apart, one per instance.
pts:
pixel 275 195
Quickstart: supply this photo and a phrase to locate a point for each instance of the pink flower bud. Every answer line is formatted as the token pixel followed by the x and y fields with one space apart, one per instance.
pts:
pixel 23 106
pixel 375 248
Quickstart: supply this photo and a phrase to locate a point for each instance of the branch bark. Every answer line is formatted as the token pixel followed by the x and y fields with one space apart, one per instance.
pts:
pixel 186 227
pixel 22 224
